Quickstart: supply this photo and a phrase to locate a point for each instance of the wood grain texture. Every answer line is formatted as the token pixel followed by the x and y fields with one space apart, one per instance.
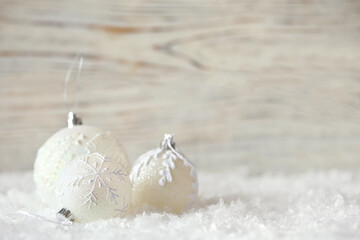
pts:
pixel 265 84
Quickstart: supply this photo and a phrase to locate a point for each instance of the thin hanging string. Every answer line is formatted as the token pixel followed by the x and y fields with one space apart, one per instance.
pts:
pixel 63 222
pixel 77 60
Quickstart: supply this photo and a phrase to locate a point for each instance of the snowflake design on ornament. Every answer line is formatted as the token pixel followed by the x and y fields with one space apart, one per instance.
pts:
pixel 121 210
pixel 100 176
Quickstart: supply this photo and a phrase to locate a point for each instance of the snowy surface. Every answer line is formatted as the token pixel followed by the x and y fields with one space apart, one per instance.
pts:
pixel 231 205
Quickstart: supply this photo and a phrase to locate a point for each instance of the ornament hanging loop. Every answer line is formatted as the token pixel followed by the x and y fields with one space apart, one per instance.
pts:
pixel 168 142
pixel 71 106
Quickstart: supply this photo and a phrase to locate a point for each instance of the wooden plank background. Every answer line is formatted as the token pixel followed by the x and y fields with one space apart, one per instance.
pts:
pixel 264 84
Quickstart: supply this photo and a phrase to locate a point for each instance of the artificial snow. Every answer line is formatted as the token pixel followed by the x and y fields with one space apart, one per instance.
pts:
pixel 231 205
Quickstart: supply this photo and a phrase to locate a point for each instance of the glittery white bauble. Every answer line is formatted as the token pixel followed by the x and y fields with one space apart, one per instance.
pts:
pixel 94 186
pixel 64 146
pixel 163 180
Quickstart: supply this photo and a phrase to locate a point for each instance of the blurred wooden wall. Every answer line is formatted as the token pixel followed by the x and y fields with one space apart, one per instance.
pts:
pixel 265 84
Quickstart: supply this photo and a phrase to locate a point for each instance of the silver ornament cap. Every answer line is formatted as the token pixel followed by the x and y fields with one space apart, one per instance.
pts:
pixel 65 215
pixel 73 120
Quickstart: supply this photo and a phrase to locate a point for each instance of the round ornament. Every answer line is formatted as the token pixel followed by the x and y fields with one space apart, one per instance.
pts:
pixel 64 146
pixel 94 186
pixel 163 179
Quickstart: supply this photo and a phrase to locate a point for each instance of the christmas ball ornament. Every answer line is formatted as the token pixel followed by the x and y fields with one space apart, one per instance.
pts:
pixel 163 179
pixel 94 186
pixel 67 144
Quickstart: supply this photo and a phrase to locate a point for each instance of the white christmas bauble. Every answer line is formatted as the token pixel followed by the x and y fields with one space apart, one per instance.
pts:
pixel 163 180
pixel 94 186
pixel 64 146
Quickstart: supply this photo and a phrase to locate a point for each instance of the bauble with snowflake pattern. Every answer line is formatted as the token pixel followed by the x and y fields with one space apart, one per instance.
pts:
pixel 163 180
pixel 67 144
pixel 94 186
